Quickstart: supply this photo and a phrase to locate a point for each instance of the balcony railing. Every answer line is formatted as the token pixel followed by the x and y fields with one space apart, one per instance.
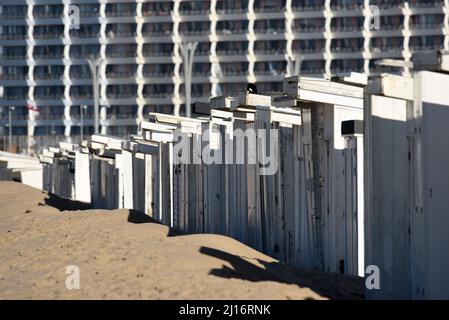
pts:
pixel 309 29
pixel 50 15
pixel 83 35
pixel 154 95
pixel 11 16
pixel 49 56
pixel 80 75
pixel 425 4
pixel 13 77
pixel 121 54
pixel 48 35
pixel 50 96
pixel 80 55
pixel 118 13
pixel 157 53
pixel 232 10
pixel 269 72
pixel 194 32
pixel 157 33
pixel 308 8
pixel 269 9
pixel 194 12
pixel 13 36
pixel 270 51
pixel 148 13
pixel 117 75
pixel 122 95
pixel 234 73
pixel 346 28
pixel 16 96
pixel 153 74
pixel 80 96
pixel 349 6
pixel 120 34
pixel 308 50
pixel 49 76
pixel 425 26
pixel 232 52
pixel 347 49
pixel 231 32
pixel 13 56
pixel 387 48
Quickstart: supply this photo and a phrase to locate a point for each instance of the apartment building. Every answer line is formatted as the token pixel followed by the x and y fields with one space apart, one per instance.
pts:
pixel 44 56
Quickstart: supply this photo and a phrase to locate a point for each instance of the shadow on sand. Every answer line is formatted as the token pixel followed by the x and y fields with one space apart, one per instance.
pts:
pixel 278 272
pixel 64 204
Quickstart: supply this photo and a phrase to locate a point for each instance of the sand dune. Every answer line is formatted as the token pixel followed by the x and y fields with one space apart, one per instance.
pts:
pixel 122 254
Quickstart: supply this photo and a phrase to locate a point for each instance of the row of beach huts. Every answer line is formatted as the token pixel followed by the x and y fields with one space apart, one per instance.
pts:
pixel 337 175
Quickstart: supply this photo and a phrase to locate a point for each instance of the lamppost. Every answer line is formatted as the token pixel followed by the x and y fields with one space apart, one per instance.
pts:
pixel 10 109
pixel 188 53
pixel 94 65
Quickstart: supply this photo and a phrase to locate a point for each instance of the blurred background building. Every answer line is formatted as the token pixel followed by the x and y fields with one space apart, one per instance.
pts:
pixel 45 75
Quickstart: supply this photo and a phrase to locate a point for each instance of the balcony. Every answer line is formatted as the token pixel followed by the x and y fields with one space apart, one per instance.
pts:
pixel 346 6
pixel 13 36
pixel 425 4
pixel 346 49
pixel 153 74
pixel 59 76
pixel 426 26
pixel 122 54
pixel 56 55
pixel 269 30
pixel 16 96
pixel 308 50
pixel 13 77
pixel 120 34
pixel 231 10
pixel 305 29
pixel 313 71
pixel 81 55
pixel 194 12
pixel 49 96
pixel 12 16
pixel 158 53
pixel 158 95
pixel 231 32
pixel 194 32
pixel 235 73
pixel 119 13
pixel 232 52
pixel 122 95
pixel 162 33
pixel 346 28
pixel 48 15
pixel 81 96
pixel 269 10
pixel 308 8
pixel 50 35
pixel 80 75
pixel 120 75
pixel 272 51
pixel 387 48
pixel 84 35
pixel 13 56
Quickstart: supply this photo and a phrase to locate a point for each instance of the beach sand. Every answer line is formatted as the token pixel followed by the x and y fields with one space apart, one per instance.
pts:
pixel 123 254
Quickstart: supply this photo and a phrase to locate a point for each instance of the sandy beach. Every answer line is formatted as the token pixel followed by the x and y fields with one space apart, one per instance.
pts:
pixel 123 254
